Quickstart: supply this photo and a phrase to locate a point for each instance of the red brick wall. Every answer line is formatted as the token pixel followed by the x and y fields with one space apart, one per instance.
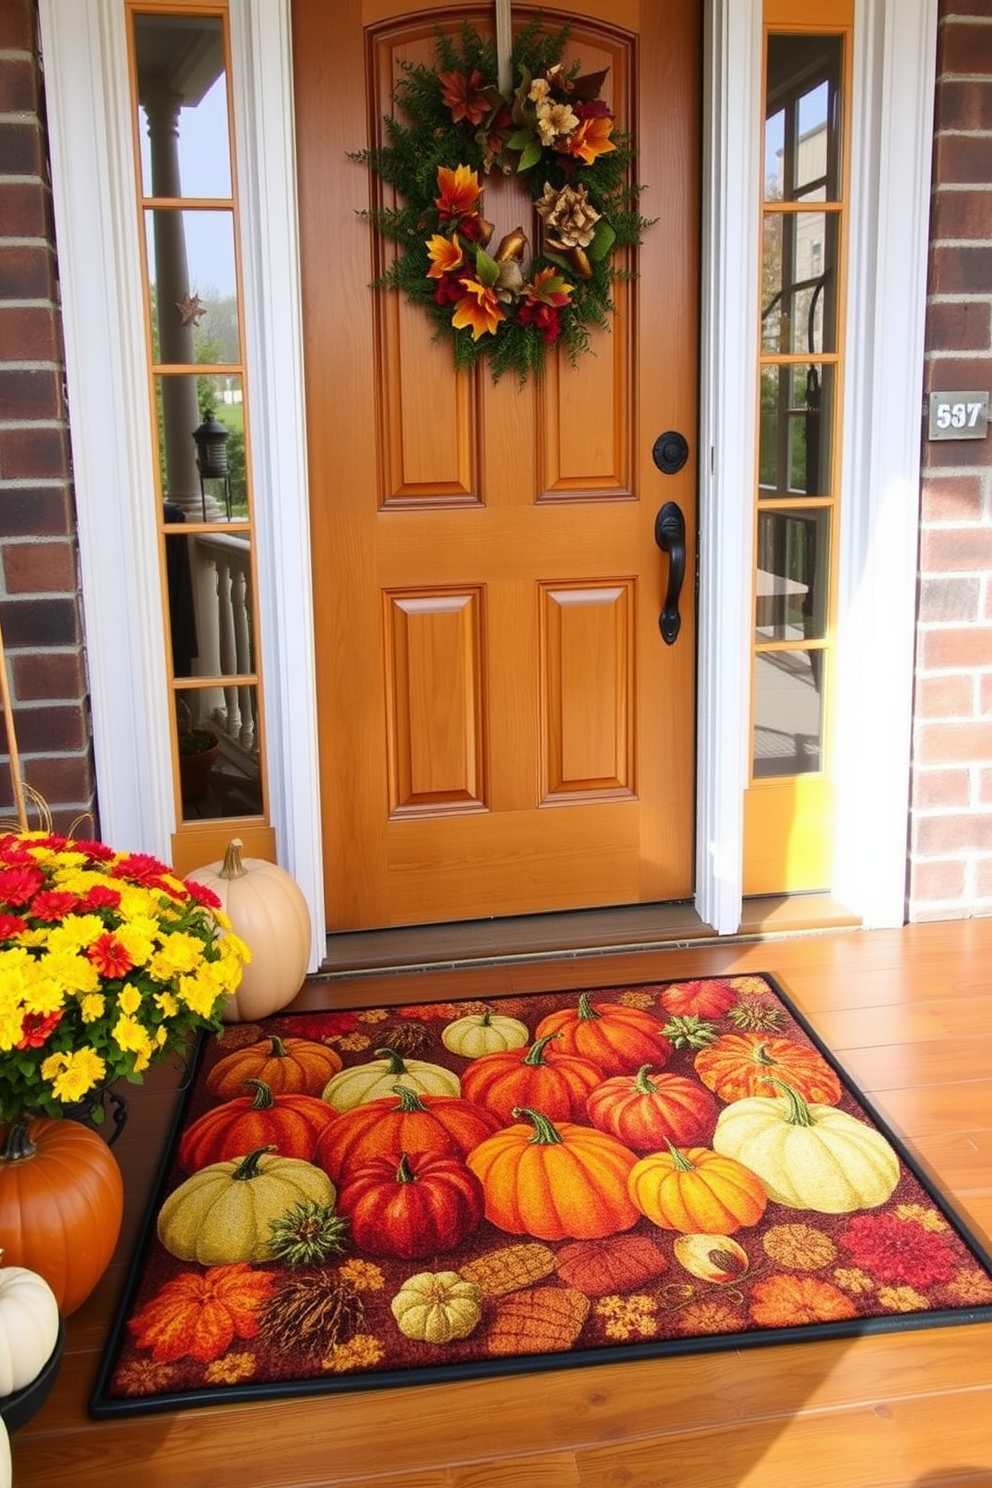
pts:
pixel 40 607
pixel 950 862
pixel 950 870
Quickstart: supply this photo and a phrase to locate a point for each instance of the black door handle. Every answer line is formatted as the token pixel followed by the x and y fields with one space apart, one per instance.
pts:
pixel 669 534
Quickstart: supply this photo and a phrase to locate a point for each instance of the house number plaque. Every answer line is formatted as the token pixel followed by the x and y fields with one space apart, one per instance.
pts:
pixel 958 415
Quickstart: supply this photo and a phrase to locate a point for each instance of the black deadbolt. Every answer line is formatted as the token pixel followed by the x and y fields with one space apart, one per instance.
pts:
pixel 670 451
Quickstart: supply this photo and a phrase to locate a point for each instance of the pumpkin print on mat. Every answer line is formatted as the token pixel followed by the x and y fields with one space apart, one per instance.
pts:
pixel 538 1179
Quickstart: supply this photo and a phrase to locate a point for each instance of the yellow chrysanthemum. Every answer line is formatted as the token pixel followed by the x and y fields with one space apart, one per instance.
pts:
pixel 11 1023
pixel 167 1004
pixel 92 1006
pixel 15 964
pixel 44 996
pixel 75 933
pixel 129 999
pixel 131 1036
pixel 136 903
pixel 233 948
pixel 199 993
pixel 138 939
pixel 75 972
pixel 73 1075
pixel 178 954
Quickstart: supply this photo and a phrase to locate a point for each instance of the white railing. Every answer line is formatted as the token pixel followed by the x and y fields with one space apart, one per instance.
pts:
pixel 223 604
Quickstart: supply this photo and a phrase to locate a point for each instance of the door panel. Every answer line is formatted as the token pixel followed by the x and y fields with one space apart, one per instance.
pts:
pixel 503 730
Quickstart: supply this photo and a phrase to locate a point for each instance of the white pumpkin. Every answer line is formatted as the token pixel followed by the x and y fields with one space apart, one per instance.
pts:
pixel 484 1033
pixel 808 1156
pixel 6 1470
pixel 267 910
pixel 29 1327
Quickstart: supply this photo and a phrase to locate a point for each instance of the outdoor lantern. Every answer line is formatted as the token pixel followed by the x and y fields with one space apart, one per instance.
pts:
pixel 211 458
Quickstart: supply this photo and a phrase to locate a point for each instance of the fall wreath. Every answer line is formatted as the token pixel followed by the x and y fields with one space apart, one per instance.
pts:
pixel 506 305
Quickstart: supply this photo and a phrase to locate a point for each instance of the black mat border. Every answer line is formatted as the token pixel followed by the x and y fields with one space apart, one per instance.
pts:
pixel 105 1407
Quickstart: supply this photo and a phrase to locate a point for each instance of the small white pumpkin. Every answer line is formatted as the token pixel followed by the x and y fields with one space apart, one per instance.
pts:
pixel 477 1034
pixel 6 1469
pixel 437 1306
pixel 29 1327
pixel 267 910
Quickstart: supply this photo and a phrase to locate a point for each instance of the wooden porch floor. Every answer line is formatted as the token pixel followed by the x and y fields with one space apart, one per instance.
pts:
pixel 908 1012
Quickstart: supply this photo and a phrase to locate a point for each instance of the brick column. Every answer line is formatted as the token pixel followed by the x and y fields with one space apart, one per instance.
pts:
pixel 40 603
pixel 951 818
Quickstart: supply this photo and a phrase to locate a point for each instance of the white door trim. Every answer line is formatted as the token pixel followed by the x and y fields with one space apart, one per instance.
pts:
pixel 87 95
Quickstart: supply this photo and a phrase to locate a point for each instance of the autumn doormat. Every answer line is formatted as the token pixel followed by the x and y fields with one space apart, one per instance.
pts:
pixel 403 1194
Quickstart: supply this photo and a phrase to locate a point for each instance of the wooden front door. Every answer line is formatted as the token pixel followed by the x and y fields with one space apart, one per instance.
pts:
pixel 503 729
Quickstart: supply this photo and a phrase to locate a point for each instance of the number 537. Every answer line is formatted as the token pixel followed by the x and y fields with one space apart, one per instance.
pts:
pixel 958 415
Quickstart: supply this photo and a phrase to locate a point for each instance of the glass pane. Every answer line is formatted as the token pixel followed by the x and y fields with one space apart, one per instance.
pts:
pixel 798 285
pixel 193 287
pixel 788 713
pixel 219 765
pixel 802 145
pixel 182 96
pixel 211 606
pixel 796 429
pixel 792 575
pixel 206 478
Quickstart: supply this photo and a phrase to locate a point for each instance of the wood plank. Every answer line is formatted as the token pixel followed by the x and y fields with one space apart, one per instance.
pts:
pixel 878 1412
pixel 881 1446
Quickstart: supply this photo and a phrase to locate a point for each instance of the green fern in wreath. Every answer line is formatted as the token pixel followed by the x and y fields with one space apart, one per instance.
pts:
pixel 452 128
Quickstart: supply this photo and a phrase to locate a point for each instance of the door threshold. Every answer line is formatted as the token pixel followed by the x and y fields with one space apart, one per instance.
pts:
pixel 516 938
pixel 589 932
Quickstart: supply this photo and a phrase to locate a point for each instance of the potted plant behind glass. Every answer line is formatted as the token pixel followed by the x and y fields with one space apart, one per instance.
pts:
pixel 198 751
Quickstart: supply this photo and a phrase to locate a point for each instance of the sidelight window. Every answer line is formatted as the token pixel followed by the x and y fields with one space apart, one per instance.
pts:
pixel 199 407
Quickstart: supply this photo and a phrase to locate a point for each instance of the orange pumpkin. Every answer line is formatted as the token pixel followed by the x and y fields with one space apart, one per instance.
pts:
pixel 61 1204
pixel 646 1112
pixel 290 1066
pixel 290 1124
pixel 555 1182
pixel 538 1076
pixel 613 1036
pixel 708 997
pixel 403 1122
pixel 740 1065
pixel 696 1191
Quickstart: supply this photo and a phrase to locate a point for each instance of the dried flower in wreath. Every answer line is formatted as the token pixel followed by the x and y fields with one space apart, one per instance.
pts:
pixel 509 304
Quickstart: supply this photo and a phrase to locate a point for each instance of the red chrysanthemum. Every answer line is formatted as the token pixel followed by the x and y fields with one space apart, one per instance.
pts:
pixel 143 869
pixel 52 905
pixel 891 1250
pixel 98 852
pixel 20 882
pixel 36 1027
pixel 202 895
pixel 51 841
pixel 11 925
pixel 99 897
pixel 109 957
pixel 14 850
